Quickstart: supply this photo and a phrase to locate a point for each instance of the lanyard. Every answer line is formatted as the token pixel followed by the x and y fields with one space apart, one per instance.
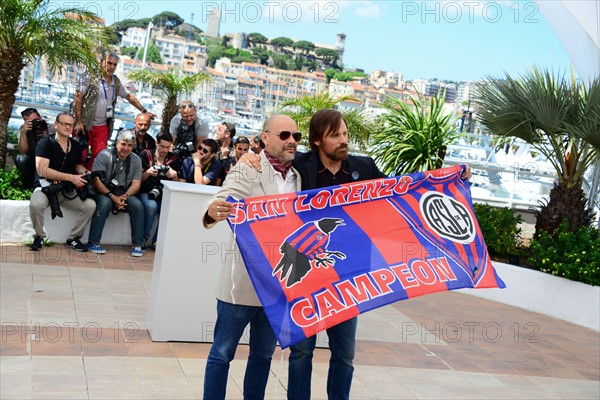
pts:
pixel 113 92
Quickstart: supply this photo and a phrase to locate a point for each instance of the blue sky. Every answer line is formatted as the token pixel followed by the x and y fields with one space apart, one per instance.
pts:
pixel 455 40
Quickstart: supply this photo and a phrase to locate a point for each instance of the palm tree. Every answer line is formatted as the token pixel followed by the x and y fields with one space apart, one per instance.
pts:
pixel 302 109
pixel 558 118
pixel 31 28
pixel 172 84
pixel 413 137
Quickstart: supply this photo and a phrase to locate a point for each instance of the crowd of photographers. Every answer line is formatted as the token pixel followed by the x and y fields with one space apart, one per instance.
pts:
pixel 125 178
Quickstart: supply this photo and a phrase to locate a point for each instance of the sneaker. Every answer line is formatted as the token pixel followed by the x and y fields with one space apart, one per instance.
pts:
pixel 96 248
pixel 76 245
pixel 145 245
pixel 137 251
pixel 37 244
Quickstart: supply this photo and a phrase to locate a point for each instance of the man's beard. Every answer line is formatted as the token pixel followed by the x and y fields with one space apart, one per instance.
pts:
pixel 287 156
pixel 336 155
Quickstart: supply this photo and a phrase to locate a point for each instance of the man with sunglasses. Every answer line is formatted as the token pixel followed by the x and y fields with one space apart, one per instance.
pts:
pixel 30 133
pixel 202 167
pixel 237 302
pixel 94 105
pixel 190 125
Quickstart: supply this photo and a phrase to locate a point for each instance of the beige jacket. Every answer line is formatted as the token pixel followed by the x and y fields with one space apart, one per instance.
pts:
pixel 242 182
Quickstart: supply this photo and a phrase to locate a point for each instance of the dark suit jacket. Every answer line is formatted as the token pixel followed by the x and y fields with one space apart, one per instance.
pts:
pixel 360 168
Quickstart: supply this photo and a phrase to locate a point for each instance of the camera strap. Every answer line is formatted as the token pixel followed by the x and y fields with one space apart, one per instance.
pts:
pixel 62 164
pixel 115 159
pixel 207 167
pixel 149 157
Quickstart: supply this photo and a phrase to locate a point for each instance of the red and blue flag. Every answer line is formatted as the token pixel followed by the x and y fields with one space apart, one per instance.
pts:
pixel 319 257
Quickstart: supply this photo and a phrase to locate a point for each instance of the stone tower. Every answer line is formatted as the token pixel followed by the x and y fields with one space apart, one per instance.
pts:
pixel 214 23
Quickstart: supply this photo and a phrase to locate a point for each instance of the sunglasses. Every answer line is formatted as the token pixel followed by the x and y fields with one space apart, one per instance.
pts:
pixel 204 150
pixel 182 106
pixel 285 135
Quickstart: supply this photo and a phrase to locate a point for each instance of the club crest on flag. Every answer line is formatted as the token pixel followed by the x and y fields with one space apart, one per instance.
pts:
pixel 306 249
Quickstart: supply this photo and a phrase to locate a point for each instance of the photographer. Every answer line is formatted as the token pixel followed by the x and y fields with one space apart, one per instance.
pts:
pixel 242 146
pixel 225 134
pixel 94 104
pixel 59 170
pixel 30 133
pixel 190 125
pixel 202 167
pixel 143 139
pixel 116 193
pixel 157 166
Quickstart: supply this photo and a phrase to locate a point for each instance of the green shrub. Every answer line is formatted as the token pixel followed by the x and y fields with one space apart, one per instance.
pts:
pixel 572 255
pixel 500 229
pixel 11 185
pixel 13 136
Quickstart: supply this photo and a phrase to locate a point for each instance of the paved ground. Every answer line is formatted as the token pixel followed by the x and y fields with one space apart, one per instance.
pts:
pixel 73 327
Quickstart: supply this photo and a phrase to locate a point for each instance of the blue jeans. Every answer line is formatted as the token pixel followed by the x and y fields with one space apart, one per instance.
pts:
pixel 231 321
pixel 104 206
pixel 151 208
pixel 342 343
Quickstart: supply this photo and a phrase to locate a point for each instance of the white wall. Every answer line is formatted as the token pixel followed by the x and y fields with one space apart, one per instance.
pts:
pixel 15 225
pixel 537 291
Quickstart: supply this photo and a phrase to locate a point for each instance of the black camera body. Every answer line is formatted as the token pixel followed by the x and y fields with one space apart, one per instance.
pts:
pixel 115 188
pixel 87 190
pixel 38 126
pixel 183 150
pixel 51 190
pixel 156 191
pixel 157 186
pixel 162 171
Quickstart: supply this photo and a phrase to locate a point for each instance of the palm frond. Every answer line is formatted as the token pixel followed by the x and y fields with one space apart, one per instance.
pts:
pixel 173 84
pixel 302 109
pixel 413 137
pixel 558 118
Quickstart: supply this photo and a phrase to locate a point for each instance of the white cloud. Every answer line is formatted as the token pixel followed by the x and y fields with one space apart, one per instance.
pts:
pixel 368 9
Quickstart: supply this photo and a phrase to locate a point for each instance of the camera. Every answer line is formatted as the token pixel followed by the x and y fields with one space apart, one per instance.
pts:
pixel 183 149
pixel 51 190
pixel 156 191
pixel 87 190
pixel 162 171
pixel 38 126
pixel 115 188
pixel 157 187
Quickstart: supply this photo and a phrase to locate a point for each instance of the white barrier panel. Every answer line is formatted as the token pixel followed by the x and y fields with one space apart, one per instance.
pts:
pixel 182 304
pixel 16 225
pixel 547 294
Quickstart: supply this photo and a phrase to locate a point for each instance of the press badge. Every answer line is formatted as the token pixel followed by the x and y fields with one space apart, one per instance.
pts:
pixel 109 112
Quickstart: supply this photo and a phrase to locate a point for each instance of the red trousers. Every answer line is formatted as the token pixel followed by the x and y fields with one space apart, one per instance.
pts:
pixel 98 139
